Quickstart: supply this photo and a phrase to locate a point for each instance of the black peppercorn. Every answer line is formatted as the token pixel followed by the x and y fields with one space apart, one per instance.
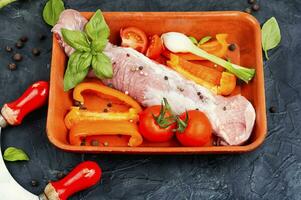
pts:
pixel 224 108
pixel 272 109
pixel 140 67
pixel 165 78
pixel 199 93
pixel 12 66
pixel 8 49
pixel 34 183
pixel 42 37
pixel 109 104
pixel 255 7
pixel 36 51
pixel 94 143
pixel 17 57
pixel 248 10
pixel 251 1
pixel 128 55
pixel 105 110
pixel 24 39
pixel 19 44
pixel 232 47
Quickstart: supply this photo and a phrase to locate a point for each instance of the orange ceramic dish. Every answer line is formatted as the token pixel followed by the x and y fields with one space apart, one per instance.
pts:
pixel 243 29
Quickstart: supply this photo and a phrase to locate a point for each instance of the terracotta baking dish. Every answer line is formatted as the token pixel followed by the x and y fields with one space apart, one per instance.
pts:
pixel 243 30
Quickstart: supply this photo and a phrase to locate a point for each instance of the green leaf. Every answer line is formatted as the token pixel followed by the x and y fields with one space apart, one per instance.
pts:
pixel 14 154
pixel 76 39
pixel 4 3
pixel 97 27
pixel 98 31
pixel 205 39
pixel 193 40
pixel 52 11
pixel 77 69
pixel 102 66
pixel 270 34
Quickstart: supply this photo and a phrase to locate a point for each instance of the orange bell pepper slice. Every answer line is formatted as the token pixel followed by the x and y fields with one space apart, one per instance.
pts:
pixel 222 83
pixel 76 115
pixel 98 87
pixel 85 129
pixel 218 47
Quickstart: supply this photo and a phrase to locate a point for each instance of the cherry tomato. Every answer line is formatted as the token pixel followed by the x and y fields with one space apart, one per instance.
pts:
pixel 155 48
pixel 149 126
pixel 197 130
pixel 135 38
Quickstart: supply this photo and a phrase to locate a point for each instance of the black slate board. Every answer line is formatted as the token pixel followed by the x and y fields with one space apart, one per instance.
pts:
pixel 271 172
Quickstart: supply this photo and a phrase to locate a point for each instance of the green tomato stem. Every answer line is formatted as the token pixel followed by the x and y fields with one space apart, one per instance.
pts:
pixel 243 73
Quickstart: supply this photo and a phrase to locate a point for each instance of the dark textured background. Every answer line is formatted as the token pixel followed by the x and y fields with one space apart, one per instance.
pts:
pixel 271 172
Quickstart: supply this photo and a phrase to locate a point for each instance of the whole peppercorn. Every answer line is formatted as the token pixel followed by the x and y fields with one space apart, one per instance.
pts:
pixel 8 49
pixel 232 47
pixel 251 1
pixel 255 7
pixel 34 183
pixel 19 44
pixel 12 66
pixel 35 51
pixel 17 57
pixel 24 39
pixel 272 109
pixel 248 10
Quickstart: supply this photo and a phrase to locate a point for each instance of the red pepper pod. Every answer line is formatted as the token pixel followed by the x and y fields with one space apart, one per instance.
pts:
pixel 84 175
pixel 34 97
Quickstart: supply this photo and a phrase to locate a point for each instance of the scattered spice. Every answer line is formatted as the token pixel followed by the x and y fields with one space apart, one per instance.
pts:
pixel 35 51
pixel 19 44
pixel 201 97
pixel 224 108
pixel 109 104
pixel 197 109
pixel 140 67
pixel 24 39
pixel 105 144
pixel 272 109
pixel 181 89
pixel 199 93
pixel 248 10
pixel 232 47
pixel 127 55
pixel 165 78
pixel 105 110
pixel 255 7
pixel 94 143
pixel 42 37
pixel 34 183
pixel 60 175
pixel 17 57
pixel 12 66
pixel 8 49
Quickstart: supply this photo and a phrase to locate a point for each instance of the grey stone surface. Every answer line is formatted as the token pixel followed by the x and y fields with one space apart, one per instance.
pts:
pixel 271 172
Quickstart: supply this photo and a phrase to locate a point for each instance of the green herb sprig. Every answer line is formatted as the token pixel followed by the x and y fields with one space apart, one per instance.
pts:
pixel 270 34
pixel 14 154
pixel 88 45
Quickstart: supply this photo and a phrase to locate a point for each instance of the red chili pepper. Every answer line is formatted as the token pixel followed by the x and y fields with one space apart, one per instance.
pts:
pixel 34 97
pixel 81 177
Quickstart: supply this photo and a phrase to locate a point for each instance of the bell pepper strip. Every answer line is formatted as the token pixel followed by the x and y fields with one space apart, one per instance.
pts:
pixel 85 129
pixel 218 47
pixel 100 88
pixel 76 115
pixel 222 83
pixel 227 84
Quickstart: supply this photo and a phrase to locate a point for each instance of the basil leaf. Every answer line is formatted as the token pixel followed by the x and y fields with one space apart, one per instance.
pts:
pixel 205 39
pixel 76 39
pixel 270 34
pixel 14 154
pixel 98 31
pixel 77 69
pixel 102 66
pixel 52 11
pixel 193 40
